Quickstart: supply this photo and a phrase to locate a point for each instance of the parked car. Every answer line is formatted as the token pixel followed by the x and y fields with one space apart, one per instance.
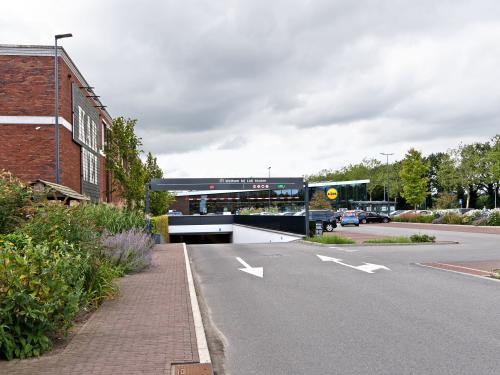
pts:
pixel 425 212
pixel 326 216
pixel 397 213
pixel 349 218
pixel 174 213
pixel 373 217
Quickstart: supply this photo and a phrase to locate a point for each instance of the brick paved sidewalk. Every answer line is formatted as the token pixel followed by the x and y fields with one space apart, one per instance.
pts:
pixel 149 326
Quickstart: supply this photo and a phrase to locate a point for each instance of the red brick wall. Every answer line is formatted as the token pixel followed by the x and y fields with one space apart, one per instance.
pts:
pixel 27 89
pixel 26 152
pixel 26 86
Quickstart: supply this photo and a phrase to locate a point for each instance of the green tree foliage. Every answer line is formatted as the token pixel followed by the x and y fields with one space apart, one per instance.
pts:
pixel 414 178
pixel 122 159
pixel 319 201
pixel 470 171
pixel 159 201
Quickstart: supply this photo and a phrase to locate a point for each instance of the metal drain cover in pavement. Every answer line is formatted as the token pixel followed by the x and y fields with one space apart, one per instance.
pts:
pixel 192 369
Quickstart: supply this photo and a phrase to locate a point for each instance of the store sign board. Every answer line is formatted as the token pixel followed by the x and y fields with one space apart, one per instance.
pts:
pixel 239 183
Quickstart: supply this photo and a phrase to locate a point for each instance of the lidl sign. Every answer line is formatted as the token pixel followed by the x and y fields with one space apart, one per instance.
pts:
pixel 332 194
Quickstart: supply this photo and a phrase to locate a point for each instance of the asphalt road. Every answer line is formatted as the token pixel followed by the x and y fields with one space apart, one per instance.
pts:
pixel 306 316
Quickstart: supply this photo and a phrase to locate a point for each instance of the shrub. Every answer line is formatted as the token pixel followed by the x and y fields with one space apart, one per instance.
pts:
pixel 40 289
pixel 414 218
pixel 82 223
pixel 14 199
pixel 493 218
pixel 481 221
pixel 159 225
pixel 130 250
pixel 452 219
pixel 422 238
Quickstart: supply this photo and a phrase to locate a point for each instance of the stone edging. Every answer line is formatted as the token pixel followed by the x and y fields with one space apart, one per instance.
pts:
pixel 201 340
pixel 378 244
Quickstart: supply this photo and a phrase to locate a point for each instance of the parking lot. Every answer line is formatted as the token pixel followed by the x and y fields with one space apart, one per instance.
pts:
pixel 353 309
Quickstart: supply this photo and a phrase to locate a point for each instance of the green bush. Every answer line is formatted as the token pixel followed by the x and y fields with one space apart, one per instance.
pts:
pixel 82 223
pixel 159 225
pixel 415 219
pixel 494 218
pixel 422 238
pixel 40 291
pixel 452 219
pixel 42 288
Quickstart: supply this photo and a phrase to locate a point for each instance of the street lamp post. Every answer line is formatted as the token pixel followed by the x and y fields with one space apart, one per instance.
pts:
pixel 269 170
pixel 56 101
pixel 386 185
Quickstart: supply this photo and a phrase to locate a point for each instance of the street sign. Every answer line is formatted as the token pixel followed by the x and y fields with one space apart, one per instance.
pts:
pixel 319 228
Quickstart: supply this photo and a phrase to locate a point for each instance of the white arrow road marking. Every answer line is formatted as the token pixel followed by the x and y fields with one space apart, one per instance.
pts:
pixel 256 271
pixel 367 267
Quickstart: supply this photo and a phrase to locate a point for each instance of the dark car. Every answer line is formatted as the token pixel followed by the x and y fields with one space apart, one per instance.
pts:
pixel 372 217
pixel 327 217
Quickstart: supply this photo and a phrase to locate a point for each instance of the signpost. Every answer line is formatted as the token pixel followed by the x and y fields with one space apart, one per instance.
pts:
pixel 234 183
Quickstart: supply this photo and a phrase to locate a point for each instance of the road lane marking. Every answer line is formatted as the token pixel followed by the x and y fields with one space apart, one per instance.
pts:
pixel 367 267
pixel 346 250
pixel 256 271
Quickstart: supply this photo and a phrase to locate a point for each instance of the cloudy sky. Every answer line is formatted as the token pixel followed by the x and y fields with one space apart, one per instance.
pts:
pixel 229 88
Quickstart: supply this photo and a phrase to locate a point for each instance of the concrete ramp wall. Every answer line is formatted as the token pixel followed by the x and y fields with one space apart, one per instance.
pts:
pixel 246 234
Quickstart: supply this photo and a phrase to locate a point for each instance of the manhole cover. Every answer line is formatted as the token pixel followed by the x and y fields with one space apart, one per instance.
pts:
pixel 192 369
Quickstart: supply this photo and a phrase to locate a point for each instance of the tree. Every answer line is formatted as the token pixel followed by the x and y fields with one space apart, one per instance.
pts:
pixel 319 201
pixel 122 159
pixel 493 157
pixel 414 178
pixel 158 200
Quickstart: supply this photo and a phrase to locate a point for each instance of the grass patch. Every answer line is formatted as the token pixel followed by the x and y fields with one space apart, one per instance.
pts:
pixel 496 274
pixel 331 240
pixel 400 239
pixel 416 238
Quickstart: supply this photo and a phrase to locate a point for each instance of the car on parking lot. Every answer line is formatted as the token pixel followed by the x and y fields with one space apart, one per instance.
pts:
pixel 326 216
pixel 373 217
pixel 349 218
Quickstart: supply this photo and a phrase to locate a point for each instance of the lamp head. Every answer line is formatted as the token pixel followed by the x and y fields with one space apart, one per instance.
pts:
pixel 60 36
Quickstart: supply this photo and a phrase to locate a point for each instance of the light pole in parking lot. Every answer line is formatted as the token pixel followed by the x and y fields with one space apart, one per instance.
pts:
pixel 269 171
pixel 386 185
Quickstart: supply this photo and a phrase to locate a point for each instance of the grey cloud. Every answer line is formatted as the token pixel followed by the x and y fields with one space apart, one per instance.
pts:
pixel 233 143
pixel 196 72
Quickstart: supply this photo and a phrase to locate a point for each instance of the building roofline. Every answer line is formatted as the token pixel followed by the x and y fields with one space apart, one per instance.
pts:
pixel 48 51
pixel 313 184
pixel 337 183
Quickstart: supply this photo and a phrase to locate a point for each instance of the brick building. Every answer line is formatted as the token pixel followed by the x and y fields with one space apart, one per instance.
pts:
pixel 27 123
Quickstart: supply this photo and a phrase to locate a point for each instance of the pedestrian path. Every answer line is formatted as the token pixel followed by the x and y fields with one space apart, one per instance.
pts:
pixel 145 329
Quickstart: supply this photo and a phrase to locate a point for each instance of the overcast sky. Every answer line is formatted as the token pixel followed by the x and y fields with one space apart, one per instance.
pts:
pixel 229 88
